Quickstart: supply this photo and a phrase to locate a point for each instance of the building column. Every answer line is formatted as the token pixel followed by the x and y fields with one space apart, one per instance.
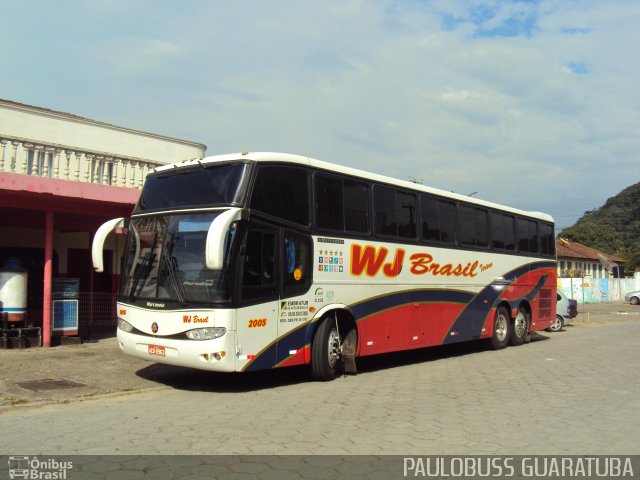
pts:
pixel 48 271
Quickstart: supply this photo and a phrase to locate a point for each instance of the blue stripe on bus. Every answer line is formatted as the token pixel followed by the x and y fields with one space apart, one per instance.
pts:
pixel 469 323
pixel 375 305
pixel 279 351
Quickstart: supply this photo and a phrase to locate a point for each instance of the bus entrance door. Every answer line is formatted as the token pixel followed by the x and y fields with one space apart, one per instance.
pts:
pixel 257 322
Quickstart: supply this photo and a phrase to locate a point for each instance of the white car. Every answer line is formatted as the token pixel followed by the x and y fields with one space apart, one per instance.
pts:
pixel 566 310
pixel 633 297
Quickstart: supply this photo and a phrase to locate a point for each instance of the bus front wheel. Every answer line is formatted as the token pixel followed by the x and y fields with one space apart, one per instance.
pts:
pixel 325 351
pixel 501 324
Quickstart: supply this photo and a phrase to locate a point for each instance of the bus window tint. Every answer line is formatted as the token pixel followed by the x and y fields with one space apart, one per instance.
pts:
pixel 447 221
pixel 438 220
pixel 502 231
pixel 548 240
pixel 297 263
pixel 283 193
pixel 385 209
pixel 527 236
pixel 473 226
pixel 202 186
pixel 259 265
pixel 329 205
pixel 407 210
pixel 356 206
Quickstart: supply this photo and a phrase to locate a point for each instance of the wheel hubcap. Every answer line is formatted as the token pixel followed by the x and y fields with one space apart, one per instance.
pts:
pixel 520 324
pixel 333 348
pixel 501 327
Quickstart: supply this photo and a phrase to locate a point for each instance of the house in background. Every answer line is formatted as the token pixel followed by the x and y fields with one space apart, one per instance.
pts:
pixel 61 177
pixel 578 261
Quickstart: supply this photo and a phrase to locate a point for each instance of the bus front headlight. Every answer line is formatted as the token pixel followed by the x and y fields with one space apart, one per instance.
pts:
pixel 208 333
pixel 125 326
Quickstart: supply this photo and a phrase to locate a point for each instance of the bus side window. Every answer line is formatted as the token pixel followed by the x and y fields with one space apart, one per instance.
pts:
pixel 385 211
pixel 548 240
pixel 406 214
pixel 502 231
pixel 356 206
pixel 282 191
pixel 329 204
pixel 527 236
pixel 473 226
pixel 258 269
pixel 297 263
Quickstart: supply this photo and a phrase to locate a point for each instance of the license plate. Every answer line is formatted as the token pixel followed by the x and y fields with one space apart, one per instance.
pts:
pixel 156 350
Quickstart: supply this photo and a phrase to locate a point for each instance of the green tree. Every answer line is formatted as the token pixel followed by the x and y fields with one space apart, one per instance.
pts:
pixel 613 228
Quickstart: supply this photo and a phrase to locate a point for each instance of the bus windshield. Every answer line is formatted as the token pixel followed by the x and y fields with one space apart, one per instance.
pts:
pixel 197 186
pixel 165 260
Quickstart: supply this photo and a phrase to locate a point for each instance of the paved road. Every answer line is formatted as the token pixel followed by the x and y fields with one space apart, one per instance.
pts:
pixel 574 392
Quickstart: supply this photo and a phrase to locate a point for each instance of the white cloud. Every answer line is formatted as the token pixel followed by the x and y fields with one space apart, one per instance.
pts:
pixel 528 103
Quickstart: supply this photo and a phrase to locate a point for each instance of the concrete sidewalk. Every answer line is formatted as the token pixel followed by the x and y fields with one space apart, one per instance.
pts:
pixel 76 372
pixel 69 372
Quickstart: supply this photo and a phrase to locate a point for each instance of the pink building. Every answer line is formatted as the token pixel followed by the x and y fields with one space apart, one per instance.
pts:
pixel 61 177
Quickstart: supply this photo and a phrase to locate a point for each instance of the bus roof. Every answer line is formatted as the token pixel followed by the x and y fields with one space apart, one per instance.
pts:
pixel 260 157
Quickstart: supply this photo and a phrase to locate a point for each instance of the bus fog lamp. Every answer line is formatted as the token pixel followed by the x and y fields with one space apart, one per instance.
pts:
pixel 125 326
pixel 206 333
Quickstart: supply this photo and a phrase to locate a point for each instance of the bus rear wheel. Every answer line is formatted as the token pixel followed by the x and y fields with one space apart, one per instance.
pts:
pixel 520 327
pixel 501 328
pixel 325 351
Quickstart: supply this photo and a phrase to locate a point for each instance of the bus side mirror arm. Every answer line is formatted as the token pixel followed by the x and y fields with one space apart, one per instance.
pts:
pixel 97 246
pixel 214 248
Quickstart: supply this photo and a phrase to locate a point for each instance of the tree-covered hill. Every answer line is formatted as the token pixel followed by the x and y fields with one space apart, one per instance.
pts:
pixel 613 228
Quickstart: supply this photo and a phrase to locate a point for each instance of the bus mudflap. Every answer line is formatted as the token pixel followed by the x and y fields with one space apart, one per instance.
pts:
pixel 349 352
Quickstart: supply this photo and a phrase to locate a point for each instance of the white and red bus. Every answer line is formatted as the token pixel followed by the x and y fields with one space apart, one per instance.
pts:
pixel 252 261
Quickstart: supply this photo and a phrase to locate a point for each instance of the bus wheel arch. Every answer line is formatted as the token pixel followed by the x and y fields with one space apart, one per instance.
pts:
pixel 520 325
pixel 334 344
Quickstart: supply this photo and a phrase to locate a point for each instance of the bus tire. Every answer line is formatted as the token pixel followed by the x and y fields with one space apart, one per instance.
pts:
pixel 520 327
pixel 324 351
pixel 501 328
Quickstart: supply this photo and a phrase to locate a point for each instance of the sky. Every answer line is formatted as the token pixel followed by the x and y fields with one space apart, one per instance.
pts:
pixel 532 104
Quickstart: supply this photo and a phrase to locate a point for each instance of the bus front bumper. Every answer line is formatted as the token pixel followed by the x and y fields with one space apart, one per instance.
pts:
pixel 217 355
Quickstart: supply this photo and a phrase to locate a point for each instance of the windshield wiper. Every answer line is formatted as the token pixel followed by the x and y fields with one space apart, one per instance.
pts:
pixel 172 266
pixel 145 267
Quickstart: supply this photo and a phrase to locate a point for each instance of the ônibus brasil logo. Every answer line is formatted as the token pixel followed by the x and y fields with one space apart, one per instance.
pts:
pixel 34 468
